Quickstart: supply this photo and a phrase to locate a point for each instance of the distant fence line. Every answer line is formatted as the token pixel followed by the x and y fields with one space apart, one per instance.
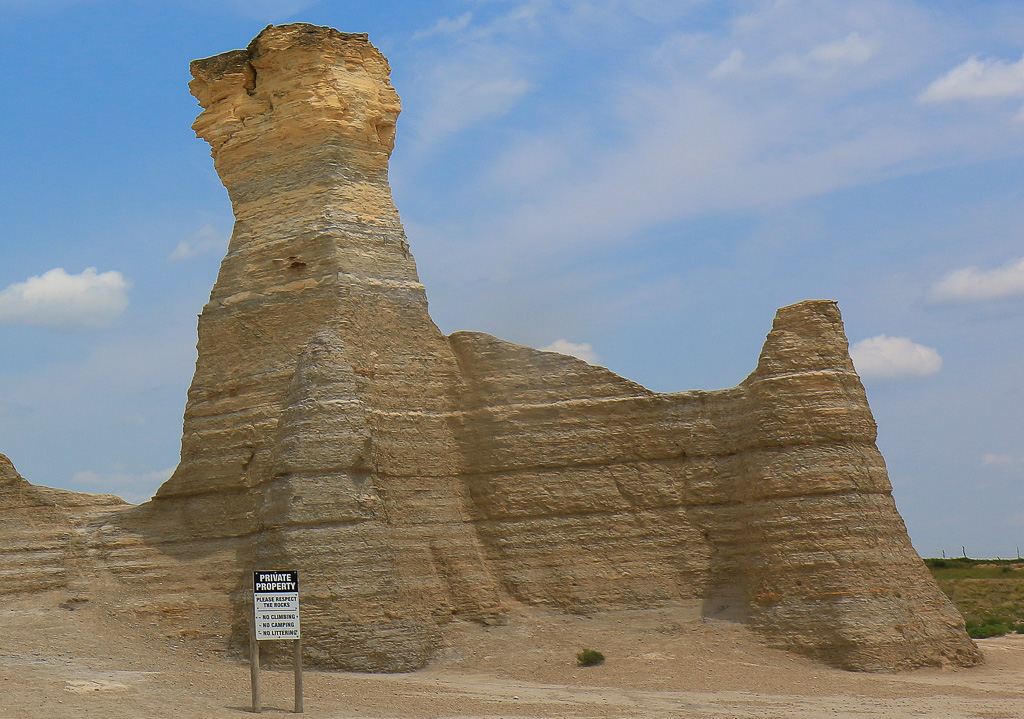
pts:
pixel 963 554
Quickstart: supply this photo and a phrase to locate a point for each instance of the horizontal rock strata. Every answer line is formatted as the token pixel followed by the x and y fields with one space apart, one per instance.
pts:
pixel 319 413
pixel 769 501
pixel 413 478
pixel 44 533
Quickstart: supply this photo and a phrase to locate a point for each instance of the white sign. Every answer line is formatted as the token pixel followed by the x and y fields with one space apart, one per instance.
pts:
pixel 276 604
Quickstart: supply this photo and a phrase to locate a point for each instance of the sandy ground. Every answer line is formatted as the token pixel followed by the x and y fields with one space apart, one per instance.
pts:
pixel 75 659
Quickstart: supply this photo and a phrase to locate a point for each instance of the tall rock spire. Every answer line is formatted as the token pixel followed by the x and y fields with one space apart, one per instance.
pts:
pixel 317 414
pixel 829 568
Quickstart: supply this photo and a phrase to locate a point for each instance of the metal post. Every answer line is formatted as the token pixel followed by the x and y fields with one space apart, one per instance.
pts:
pixel 298 676
pixel 254 669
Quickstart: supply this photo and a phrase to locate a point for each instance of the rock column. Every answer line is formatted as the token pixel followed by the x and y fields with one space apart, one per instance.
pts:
pixel 315 422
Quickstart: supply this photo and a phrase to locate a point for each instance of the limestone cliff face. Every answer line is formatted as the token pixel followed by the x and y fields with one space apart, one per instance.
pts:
pixel 413 478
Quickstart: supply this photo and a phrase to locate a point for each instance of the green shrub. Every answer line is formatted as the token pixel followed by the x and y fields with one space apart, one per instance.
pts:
pixel 1018 627
pixel 589 657
pixel 990 627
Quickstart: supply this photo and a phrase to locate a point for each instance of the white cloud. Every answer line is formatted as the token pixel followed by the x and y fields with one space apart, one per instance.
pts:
pixel 662 143
pixel 821 61
pixel 685 151
pixel 584 351
pixel 889 357
pixel 648 140
pixel 974 79
pixel 481 75
pixel 56 299
pixel 850 50
pixel 445 26
pixel 205 239
pixel 970 283
pixel 463 94
pixel 134 487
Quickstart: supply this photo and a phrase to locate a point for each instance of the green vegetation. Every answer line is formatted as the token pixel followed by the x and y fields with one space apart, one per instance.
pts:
pixel 989 593
pixel 991 627
pixel 589 657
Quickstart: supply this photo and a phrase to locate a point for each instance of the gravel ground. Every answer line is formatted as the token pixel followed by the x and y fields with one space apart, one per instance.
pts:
pixel 76 659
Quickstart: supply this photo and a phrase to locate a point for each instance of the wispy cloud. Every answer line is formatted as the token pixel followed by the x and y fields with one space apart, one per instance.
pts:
pixel 891 357
pixel 821 61
pixel 445 26
pixel 205 239
pixel 89 300
pixel 685 152
pixel 468 93
pixel 480 76
pixel 976 79
pixel 583 351
pixel 850 50
pixel 971 284
pixel 104 375
pixel 662 136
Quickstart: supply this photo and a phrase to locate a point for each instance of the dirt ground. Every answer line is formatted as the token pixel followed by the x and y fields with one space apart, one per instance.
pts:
pixel 76 659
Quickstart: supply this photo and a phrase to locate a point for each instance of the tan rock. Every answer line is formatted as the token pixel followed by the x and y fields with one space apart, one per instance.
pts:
pixel 414 478
pixel 41 540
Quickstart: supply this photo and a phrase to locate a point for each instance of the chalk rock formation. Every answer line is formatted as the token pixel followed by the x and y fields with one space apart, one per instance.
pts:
pixel 319 416
pixel 41 545
pixel 413 478
pixel 769 501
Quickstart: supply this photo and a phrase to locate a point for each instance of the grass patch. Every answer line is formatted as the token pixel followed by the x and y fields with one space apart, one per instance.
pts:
pixel 589 657
pixel 989 593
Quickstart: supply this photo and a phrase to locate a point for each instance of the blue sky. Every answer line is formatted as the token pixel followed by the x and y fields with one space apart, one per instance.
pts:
pixel 642 182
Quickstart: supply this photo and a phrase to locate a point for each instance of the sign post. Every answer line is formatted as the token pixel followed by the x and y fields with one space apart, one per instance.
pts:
pixel 275 600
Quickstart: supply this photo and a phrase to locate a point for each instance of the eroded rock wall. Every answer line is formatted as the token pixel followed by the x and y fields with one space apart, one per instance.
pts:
pixel 42 542
pixel 770 501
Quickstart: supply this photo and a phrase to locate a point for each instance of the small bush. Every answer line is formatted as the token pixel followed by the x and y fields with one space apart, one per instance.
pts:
pixel 990 627
pixel 1018 627
pixel 589 657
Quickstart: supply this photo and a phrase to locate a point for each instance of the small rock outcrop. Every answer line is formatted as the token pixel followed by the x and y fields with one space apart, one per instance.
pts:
pixel 414 478
pixel 43 536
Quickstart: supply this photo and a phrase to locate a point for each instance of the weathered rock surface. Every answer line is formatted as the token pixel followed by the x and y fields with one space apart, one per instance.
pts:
pixel 413 478
pixel 43 540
